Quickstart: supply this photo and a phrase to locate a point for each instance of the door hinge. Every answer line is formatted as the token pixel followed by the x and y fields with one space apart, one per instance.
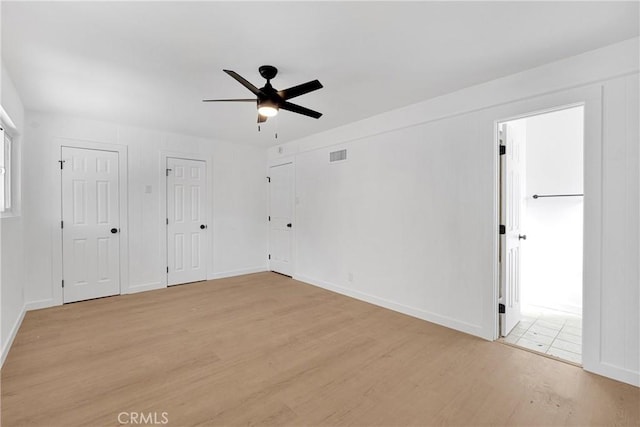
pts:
pixel 269 217
pixel 268 179
pixel 167 221
pixel 61 224
pixel 63 283
pixel 269 256
pixel 167 171
pixel 503 229
pixel 503 150
pixel 167 269
pixel 501 308
pixel 61 163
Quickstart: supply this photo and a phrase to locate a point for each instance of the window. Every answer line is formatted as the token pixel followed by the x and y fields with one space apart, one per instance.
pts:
pixel 5 173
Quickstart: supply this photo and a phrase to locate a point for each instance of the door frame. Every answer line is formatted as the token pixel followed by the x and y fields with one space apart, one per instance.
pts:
pixel 294 246
pixel 56 271
pixel 162 185
pixel 591 98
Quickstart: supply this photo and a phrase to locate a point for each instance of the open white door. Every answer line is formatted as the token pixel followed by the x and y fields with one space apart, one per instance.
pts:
pixel 186 221
pixel 280 218
pixel 512 203
pixel 90 224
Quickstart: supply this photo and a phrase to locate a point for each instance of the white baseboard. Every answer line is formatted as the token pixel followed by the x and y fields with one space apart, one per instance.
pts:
pixel 145 287
pixel 233 273
pixel 37 305
pixel 12 336
pixel 401 308
pixel 614 372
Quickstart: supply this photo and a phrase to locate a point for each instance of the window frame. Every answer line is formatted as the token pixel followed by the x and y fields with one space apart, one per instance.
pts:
pixel 9 193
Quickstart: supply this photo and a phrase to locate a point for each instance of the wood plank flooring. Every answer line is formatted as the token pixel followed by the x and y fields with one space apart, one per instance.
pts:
pixel 264 349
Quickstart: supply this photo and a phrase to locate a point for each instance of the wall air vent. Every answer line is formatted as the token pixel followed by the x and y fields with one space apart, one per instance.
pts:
pixel 338 156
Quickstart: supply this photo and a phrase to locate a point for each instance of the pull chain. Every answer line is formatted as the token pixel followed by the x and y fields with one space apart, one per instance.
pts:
pixel 276 134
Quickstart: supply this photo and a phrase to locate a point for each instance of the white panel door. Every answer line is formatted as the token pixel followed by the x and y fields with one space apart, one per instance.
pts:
pixel 512 205
pixel 281 218
pixel 90 224
pixel 186 221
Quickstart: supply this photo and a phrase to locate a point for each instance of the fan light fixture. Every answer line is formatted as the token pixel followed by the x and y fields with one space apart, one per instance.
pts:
pixel 267 108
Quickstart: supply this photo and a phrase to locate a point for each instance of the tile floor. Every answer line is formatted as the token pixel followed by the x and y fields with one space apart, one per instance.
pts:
pixel 552 332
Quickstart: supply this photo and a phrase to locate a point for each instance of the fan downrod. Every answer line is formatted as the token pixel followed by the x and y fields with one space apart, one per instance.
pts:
pixel 268 71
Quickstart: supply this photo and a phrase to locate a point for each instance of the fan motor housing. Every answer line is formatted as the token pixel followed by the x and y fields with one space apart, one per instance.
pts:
pixel 268 71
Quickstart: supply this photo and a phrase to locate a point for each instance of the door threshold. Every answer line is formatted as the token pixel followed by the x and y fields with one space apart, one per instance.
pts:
pixel 282 274
pixel 91 299
pixel 539 353
pixel 186 283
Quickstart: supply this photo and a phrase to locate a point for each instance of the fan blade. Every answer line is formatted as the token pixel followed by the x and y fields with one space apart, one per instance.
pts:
pixel 300 110
pixel 244 82
pixel 294 91
pixel 230 100
pixel 261 118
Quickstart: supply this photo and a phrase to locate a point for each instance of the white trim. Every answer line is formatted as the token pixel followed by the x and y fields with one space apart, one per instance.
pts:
pixel 6 120
pixel 617 373
pixel 56 239
pixel 469 328
pixel 146 287
pixel 12 336
pixel 7 171
pixel 233 273
pixel 37 305
pixel 162 185
pixel 15 171
pixel 591 98
pixel 495 243
pixel 542 111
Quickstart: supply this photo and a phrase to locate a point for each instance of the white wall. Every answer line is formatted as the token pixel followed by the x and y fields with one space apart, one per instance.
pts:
pixel 238 230
pixel 552 253
pixel 12 302
pixel 411 215
pixel 393 217
pixel 619 329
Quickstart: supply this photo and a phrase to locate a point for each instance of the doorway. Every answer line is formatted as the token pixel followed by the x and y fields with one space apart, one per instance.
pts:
pixel 541 242
pixel 187 228
pixel 90 223
pixel 281 197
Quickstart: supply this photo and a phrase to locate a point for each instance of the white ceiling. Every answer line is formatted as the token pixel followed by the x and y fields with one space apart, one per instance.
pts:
pixel 151 63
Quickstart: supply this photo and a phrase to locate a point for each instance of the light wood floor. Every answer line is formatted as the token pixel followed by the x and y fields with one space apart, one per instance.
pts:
pixel 264 349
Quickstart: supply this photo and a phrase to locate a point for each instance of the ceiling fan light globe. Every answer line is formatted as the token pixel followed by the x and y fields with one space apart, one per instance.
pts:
pixel 267 111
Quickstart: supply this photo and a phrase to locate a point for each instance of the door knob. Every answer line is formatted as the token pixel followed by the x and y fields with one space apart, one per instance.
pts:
pixel 522 237
pixel 289 225
pixel 202 226
pixel 114 230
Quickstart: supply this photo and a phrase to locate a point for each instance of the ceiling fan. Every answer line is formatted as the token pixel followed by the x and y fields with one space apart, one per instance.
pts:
pixel 270 100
